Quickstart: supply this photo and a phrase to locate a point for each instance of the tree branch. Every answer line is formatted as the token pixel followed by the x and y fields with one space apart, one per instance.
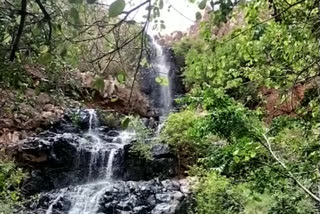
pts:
pixel 16 41
pixel 266 20
pixel 46 17
pixel 141 54
pixel 283 165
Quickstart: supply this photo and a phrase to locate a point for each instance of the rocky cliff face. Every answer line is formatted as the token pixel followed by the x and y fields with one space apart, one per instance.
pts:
pixel 82 164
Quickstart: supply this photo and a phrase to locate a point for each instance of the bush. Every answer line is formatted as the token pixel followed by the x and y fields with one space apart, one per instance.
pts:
pixel 217 194
pixel 181 133
pixel 142 146
pixel 10 180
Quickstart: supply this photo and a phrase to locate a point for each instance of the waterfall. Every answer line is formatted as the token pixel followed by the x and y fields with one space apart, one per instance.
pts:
pixel 50 209
pixel 93 121
pixel 98 150
pixel 85 198
pixel 110 163
pixel 162 68
pixel 105 178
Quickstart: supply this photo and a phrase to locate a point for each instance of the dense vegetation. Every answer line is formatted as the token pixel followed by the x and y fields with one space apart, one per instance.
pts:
pixel 249 126
pixel 10 180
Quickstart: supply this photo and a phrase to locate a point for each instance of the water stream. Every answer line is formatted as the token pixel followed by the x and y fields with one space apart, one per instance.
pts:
pixel 85 198
pixel 103 151
pixel 162 67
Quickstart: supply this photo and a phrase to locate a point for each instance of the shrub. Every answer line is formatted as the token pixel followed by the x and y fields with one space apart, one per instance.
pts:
pixel 10 180
pixel 142 145
pixel 217 194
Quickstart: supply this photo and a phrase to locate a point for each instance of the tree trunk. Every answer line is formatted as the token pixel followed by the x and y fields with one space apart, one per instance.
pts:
pixel 16 41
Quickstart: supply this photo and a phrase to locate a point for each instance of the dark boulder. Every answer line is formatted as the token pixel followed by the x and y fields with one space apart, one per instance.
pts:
pixel 163 164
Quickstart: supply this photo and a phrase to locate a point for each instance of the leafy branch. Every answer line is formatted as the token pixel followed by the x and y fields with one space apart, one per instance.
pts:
pixel 265 142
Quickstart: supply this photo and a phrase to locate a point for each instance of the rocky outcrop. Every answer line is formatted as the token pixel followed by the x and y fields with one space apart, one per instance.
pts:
pixel 116 96
pixel 83 164
pixel 61 155
pixel 22 115
pixel 131 197
pixel 163 164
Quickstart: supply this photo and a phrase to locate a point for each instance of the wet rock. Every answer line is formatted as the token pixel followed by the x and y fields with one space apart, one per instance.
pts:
pixel 163 164
pixel 66 154
pixel 161 151
pixel 113 133
pixel 142 197
pixel 77 167
pixel 118 197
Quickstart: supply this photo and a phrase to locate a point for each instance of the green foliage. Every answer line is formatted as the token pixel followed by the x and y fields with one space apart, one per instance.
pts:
pixel 98 84
pixel 272 55
pixel 225 75
pixel 121 77
pixel 13 76
pixel 111 119
pixel 142 145
pixel 75 119
pixel 162 81
pixel 116 8
pixel 217 194
pixel 202 4
pixel 178 128
pixel 10 180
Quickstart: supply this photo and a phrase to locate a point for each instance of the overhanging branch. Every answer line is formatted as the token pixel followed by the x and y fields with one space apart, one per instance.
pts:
pixel 16 41
pixel 46 17
pixel 267 145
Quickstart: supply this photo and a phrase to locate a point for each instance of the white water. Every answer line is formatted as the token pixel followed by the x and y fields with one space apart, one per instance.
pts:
pixel 110 164
pixel 50 209
pixel 163 68
pixel 85 198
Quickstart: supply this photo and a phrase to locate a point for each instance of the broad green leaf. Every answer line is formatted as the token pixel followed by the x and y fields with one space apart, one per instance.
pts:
pixel 198 16
pixel 114 99
pixel 45 58
pixel 202 4
pixel 116 8
pixel 91 1
pixel 121 77
pixel 236 152
pixel 253 154
pixel 236 159
pixel 44 49
pixel 131 22
pixel 162 81
pixel 74 15
pixel 7 39
pixel 161 4
pixel 98 84
pixel 75 1
pixel 125 122
pixel 156 12
pixel 144 62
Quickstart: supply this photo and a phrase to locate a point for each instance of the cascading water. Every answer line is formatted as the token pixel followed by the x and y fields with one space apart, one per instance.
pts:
pixel 92 170
pixel 162 67
pixel 85 198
